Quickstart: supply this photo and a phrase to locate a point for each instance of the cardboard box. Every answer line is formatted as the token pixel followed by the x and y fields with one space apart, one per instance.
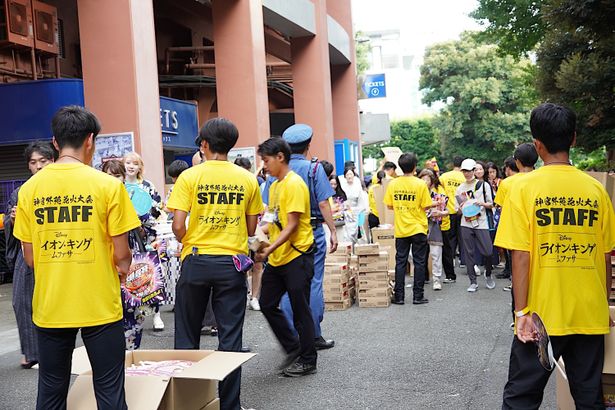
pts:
pixel 374 292
pixel 336 269
pixel 258 241
pixel 343 248
pixel 214 405
pixel 372 284
pixel 343 305
pixel 337 297
pixel 386 215
pixel 337 258
pixel 333 288
pixel 384 236
pixel 366 249
pixel 374 276
pixel 564 398
pixel 374 301
pixel 192 388
pixel 390 252
pixel 382 265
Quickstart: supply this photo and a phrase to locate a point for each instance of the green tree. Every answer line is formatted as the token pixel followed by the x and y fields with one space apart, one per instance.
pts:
pixel 516 26
pixel 575 52
pixel 362 50
pixel 416 136
pixel 487 97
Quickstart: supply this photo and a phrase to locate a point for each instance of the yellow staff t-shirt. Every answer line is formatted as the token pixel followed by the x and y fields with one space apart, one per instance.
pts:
pixel 290 195
pixel 504 187
pixel 451 181
pixel 218 195
pixel 373 208
pixel 564 219
pixel 409 198
pixel 69 212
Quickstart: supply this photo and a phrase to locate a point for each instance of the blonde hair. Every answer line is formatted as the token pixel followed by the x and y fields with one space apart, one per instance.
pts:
pixel 137 157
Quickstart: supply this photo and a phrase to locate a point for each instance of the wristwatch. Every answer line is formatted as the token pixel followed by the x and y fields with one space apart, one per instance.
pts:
pixel 522 312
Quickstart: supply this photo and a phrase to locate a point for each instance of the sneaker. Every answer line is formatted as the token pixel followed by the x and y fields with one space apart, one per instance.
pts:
pixel 477 270
pixel 254 305
pixel 448 280
pixel 500 265
pixel 462 265
pixel 473 287
pixel 507 288
pixel 437 285
pixel 490 282
pixel 158 323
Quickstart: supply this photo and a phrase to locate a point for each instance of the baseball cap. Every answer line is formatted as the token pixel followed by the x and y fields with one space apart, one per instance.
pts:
pixel 468 164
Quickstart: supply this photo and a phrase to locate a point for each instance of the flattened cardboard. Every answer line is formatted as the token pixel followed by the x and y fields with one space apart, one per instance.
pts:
pixel 374 292
pixel 336 269
pixel 343 305
pixel 375 276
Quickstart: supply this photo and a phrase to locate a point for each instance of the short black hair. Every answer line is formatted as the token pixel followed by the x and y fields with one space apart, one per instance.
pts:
pixel 526 154
pixel 407 162
pixel 510 163
pixel 457 160
pixel 243 162
pixel 42 147
pixel 349 164
pixel 273 146
pixel 327 167
pixel 71 126
pixel 553 125
pixel 220 134
pixel 491 165
pixel 389 165
pixel 177 167
pixel 300 147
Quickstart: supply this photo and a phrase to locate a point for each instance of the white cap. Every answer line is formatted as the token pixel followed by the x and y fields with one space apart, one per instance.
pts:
pixel 468 164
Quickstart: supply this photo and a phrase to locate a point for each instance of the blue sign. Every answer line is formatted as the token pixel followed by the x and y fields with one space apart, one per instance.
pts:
pixel 27 108
pixel 374 86
pixel 179 123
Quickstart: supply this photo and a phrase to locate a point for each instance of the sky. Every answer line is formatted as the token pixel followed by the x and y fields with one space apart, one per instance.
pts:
pixel 421 23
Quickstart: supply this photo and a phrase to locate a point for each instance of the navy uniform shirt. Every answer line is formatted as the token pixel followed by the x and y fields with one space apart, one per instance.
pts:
pixel 319 186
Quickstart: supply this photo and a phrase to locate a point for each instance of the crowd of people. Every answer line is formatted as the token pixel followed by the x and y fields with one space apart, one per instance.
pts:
pixel 71 248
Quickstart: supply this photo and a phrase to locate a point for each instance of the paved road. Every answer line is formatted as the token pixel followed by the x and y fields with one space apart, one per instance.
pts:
pixel 449 354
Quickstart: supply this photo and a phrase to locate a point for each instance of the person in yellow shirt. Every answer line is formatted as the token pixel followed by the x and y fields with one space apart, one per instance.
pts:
pixel 560 226
pixel 409 197
pixel 524 157
pixel 390 171
pixel 450 181
pixel 373 218
pixel 73 222
pixel 290 266
pixel 224 202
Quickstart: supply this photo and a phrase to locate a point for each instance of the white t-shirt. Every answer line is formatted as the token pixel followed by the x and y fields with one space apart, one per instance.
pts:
pixel 468 190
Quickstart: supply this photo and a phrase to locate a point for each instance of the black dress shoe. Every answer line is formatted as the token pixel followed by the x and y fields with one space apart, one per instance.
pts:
pixel 245 349
pixel 299 369
pixel 289 359
pixel 420 301
pixel 397 301
pixel 502 275
pixel 322 344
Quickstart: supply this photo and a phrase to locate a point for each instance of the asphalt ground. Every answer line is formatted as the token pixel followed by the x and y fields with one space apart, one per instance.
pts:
pixel 451 353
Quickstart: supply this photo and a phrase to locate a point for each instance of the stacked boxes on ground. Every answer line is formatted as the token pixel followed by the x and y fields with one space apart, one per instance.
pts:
pixel 385 237
pixel 339 279
pixel 373 286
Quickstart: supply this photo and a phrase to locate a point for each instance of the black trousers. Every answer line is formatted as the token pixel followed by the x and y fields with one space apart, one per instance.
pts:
pixel 584 358
pixel 105 345
pixel 447 256
pixel 295 278
pixel 419 246
pixel 202 275
pixel 373 221
pixel 454 234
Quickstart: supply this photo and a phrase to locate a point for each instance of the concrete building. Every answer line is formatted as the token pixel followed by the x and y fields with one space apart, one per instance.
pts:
pixel 159 68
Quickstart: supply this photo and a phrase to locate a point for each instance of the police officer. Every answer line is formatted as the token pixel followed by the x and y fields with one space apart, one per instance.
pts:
pixel 299 137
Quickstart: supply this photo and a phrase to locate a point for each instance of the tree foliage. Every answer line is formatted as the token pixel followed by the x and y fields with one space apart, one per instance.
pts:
pixel 487 96
pixel 516 26
pixel 574 42
pixel 362 49
pixel 416 136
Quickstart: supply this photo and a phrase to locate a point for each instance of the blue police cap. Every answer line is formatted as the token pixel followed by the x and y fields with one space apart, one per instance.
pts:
pixel 297 134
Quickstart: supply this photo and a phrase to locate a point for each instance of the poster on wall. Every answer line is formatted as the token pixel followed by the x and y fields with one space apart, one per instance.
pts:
pixel 248 152
pixel 112 146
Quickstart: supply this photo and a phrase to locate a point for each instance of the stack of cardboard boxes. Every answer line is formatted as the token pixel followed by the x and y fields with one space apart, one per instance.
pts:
pixel 339 279
pixel 385 237
pixel 373 285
